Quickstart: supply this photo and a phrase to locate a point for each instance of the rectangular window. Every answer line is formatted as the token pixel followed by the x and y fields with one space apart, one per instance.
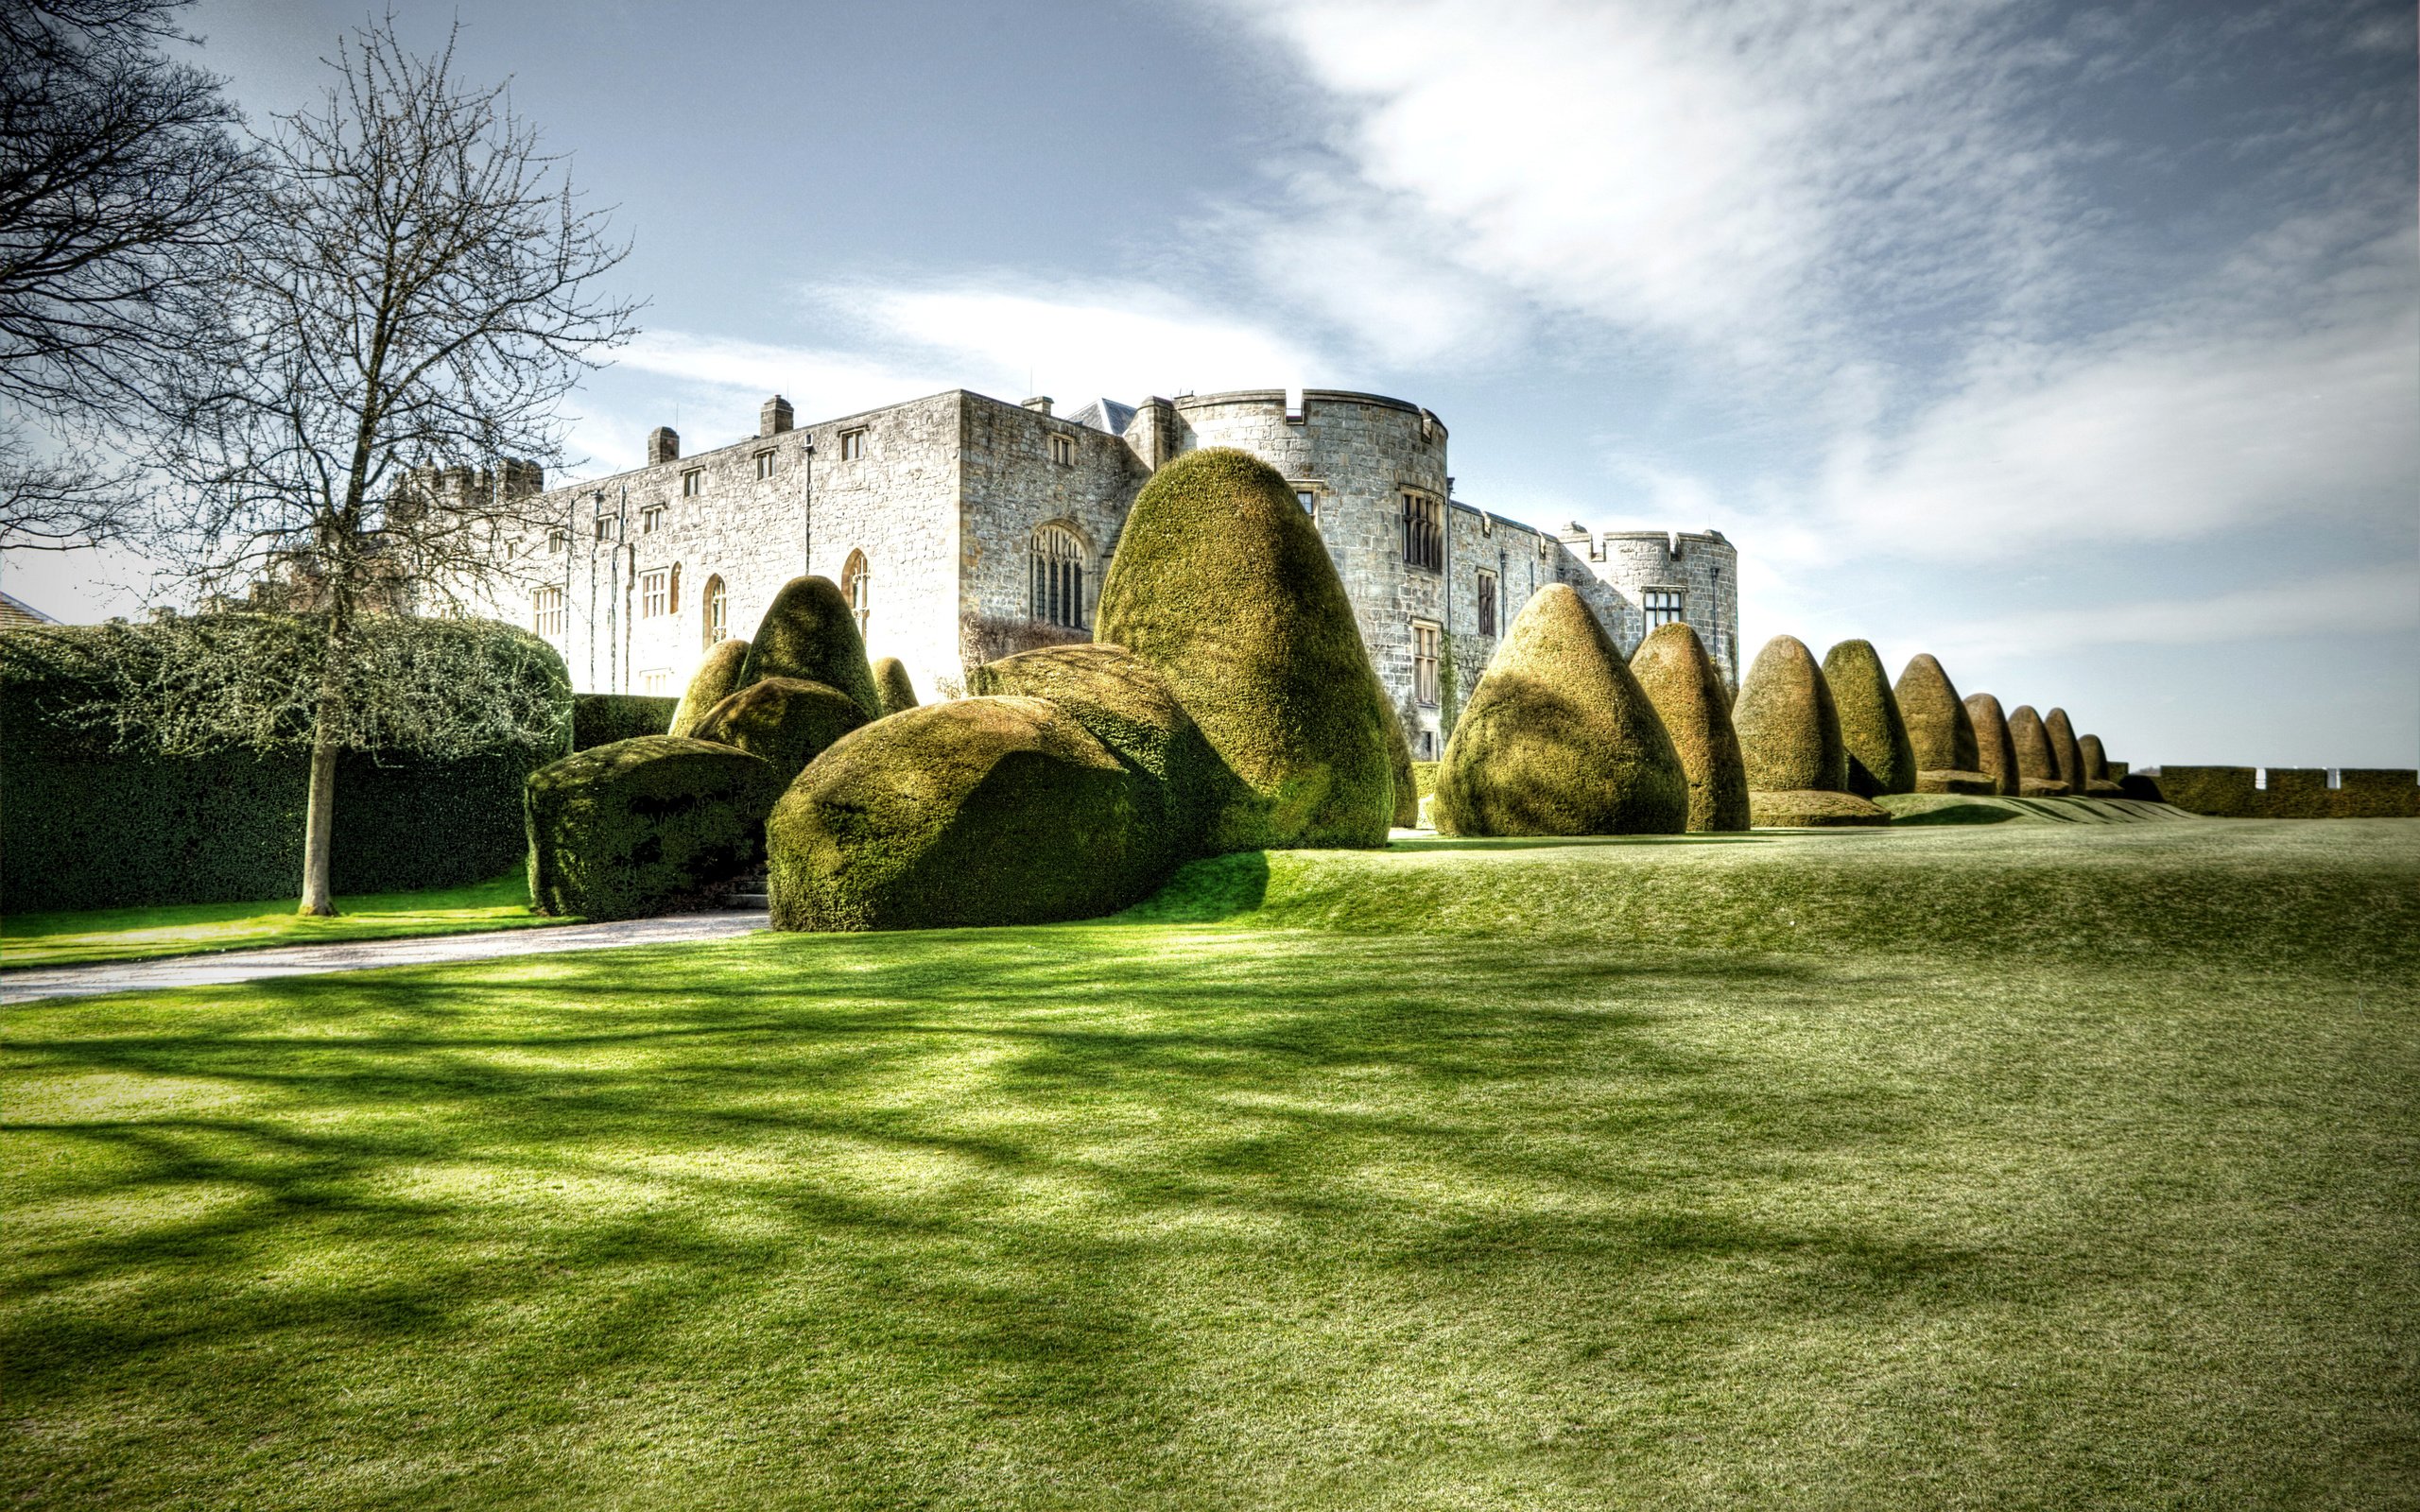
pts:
pixel 693 483
pixel 557 542
pixel 1423 665
pixel 768 463
pixel 1423 533
pixel 548 611
pixel 609 528
pixel 1486 602
pixel 657 680
pixel 1309 500
pixel 655 593
pixel 1062 449
pixel 652 518
pixel 853 445
pixel 1663 606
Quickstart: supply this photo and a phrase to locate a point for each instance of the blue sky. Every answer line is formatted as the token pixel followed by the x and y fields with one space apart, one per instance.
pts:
pixel 2077 344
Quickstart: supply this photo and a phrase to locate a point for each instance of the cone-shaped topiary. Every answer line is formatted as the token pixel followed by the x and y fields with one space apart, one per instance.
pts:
pixel 808 633
pixel 1689 697
pixel 1559 738
pixel 786 721
pixel 1399 773
pixel 2096 759
pixel 1939 732
pixel 892 685
pixel 1128 708
pixel 1790 737
pixel 980 810
pixel 636 827
pixel 1221 583
pixel 1881 758
pixel 716 679
pixel 2064 748
pixel 2037 765
pixel 1995 752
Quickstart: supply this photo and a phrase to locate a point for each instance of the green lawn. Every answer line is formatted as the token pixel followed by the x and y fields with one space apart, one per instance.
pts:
pixel 2001 1167
pixel 195 929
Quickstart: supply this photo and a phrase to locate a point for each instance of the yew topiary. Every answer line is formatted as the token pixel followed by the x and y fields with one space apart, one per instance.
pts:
pixel 1880 759
pixel 641 826
pixel 786 721
pixel 1559 738
pixel 1940 731
pixel 1807 808
pixel 892 685
pixel 1686 689
pixel 1399 774
pixel 2064 748
pixel 2096 759
pixel 716 679
pixel 980 810
pixel 808 633
pixel 1221 583
pixel 1789 737
pixel 1995 752
pixel 2037 765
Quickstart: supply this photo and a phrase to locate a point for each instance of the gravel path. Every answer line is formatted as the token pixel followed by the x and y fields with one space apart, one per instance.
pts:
pixel 360 956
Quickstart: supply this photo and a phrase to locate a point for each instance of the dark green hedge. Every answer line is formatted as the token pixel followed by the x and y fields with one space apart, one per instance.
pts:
pixel 603 718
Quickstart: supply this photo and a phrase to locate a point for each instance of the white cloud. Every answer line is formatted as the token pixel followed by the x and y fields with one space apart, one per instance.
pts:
pixel 2370 601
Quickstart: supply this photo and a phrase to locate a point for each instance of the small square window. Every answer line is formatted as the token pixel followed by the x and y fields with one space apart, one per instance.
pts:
pixel 547 608
pixel 655 593
pixel 1309 500
pixel 693 483
pixel 652 518
pixel 853 445
pixel 768 463
pixel 609 528
pixel 1062 449
pixel 557 542
pixel 1663 606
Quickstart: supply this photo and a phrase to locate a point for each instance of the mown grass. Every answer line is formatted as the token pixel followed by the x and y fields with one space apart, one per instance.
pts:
pixel 1486 1191
pixel 195 929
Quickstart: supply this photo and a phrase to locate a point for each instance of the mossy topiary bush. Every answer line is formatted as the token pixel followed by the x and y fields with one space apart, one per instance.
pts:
pixel 1995 752
pixel 976 812
pixel 1881 758
pixel 1940 731
pixel 809 633
pixel 1559 738
pixel 645 825
pixel 716 679
pixel 1221 583
pixel 2096 759
pixel 2064 748
pixel 2037 765
pixel 1406 786
pixel 784 721
pixel 892 685
pixel 603 718
pixel 1686 689
pixel 1789 737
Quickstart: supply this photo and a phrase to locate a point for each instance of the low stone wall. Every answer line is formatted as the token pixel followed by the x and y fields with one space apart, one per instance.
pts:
pixel 2292 793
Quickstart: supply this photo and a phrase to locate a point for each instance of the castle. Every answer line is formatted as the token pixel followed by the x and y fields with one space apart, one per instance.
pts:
pixel 963 528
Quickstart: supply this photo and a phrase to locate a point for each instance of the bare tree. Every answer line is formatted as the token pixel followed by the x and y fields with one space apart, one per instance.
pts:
pixel 120 176
pixel 420 292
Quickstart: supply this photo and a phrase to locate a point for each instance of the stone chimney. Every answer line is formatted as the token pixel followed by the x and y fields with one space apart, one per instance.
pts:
pixel 663 445
pixel 774 418
pixel 1040 404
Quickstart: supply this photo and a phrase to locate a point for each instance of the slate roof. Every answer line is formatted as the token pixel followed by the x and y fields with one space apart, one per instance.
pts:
pixel 1105 415
pixel 15 613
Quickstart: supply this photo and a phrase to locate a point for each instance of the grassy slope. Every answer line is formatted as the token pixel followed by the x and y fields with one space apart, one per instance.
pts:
pixel 194 929
pixel 1533 1208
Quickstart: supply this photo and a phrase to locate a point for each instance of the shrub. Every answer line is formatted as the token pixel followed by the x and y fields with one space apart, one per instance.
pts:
pixel 1223 584
pixel 1559 738
pixel 892 685
pixel 645 825
pixel 809 633
pixel 608 718
pixel 1789 733
pixel 1812 808
pixel 1405 786
pixel 980 811
pixel 2096 759
pixel 1995 752
pixel 1880 759
pixel 2037 767
pixel 2065 749
pixel 1974 784
pixel 1689 697
pixel 1940 731
pixel 716 679
pixel 784 721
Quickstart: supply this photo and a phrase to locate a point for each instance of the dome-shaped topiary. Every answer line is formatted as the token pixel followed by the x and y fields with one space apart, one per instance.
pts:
pixel 1686 689
pixel 892 685
pixel 786 721
pixel 640 826
pixel 716 679
pixel 2096 759
pixel 2037 765
pixel 1399 773
pixel 1939 732
pixel 809 633
pixel 1221 583
pixel 1880 760
pixel 975 812
pixel 1995 752
pixel 1559 738
pixel 1789 733
pixel 2064 748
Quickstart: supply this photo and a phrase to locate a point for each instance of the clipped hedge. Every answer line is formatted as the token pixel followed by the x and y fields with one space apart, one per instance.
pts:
pixel 1686 688
pixel 1880 756
pixel 784 721
pixel 645 825
pixel 716 679
pixel 1407 788
pixel 809 633
pixel 1940 731
pixel 604 718
pixel 1790 733
pixel 2065 749
pixel 2038 763
pixel 893 686
pixel 1995 752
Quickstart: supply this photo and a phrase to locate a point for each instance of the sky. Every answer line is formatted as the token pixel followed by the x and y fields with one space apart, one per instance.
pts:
pixel 2076 344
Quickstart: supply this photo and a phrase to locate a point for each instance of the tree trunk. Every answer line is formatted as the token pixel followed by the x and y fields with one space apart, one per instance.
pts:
pixel 319 828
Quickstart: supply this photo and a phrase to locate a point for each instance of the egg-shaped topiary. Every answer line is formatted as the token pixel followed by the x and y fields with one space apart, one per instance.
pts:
pixel 1940 731
pixel 809 633
pixel 892 685
pixel 977 811
pixel 1221 583
pixel 787 721
pixel 1995 752
pixel 1880 759
pixel 2037 765
pixel 641 826
pixel 1559 738
pixel 1686 689
pixel 716 679
pixel 1789 737
pixel 2064 748
pixel 1399 770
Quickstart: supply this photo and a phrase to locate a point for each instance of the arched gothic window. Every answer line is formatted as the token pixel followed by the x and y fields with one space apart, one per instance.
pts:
pixel 1059 577
pixel 857 586
pixel 717 611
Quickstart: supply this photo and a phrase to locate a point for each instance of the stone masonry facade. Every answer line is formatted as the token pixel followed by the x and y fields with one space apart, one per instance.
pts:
pixel 942 517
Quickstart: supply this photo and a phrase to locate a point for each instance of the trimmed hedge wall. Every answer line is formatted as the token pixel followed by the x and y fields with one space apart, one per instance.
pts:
pixel 603 718
pixel 2292 793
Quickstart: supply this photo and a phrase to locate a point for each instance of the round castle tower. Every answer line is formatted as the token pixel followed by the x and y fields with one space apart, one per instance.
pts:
pixel 1691 575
